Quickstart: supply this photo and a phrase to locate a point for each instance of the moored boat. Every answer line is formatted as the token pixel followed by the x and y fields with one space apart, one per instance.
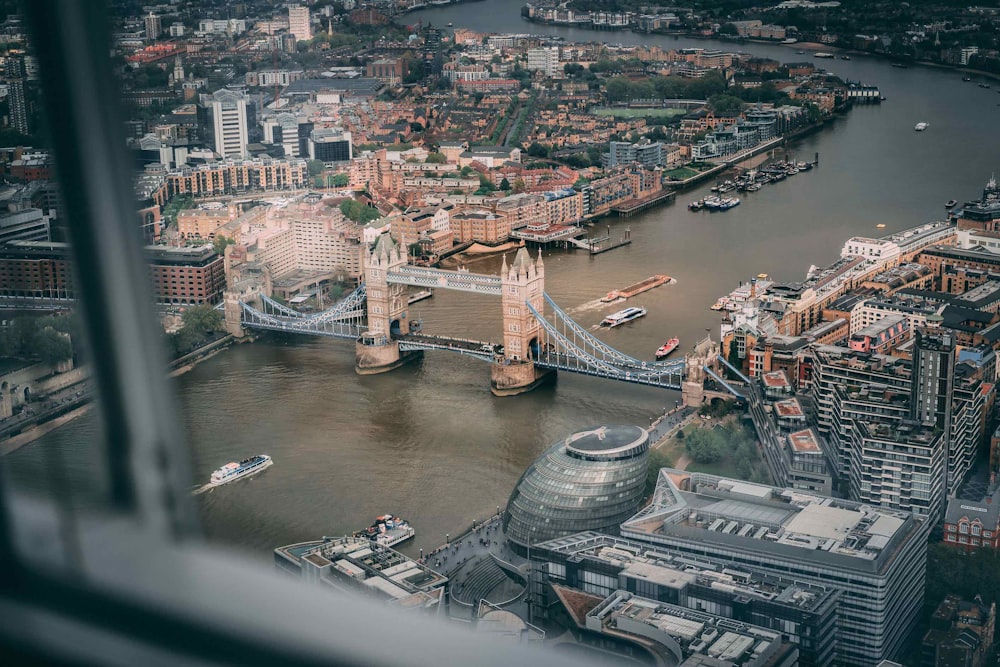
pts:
pixel 951 203
pixel 234 471
pixel 921 126
pixel 388 530
pixel 623 316
pixel 667 348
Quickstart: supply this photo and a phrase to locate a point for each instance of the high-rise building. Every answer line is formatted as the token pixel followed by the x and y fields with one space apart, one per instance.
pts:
pixel 330 144
pixel 19 119
pixel 931 385
pixel 544 59
pixel 17 91
pixel 298 23
pixel 875 557
pixel 153 26
pixel 229 122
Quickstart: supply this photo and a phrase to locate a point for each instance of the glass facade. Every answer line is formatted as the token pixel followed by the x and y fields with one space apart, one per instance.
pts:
pixel 592 480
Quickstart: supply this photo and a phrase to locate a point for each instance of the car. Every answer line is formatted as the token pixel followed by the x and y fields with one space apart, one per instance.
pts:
pixel 486 347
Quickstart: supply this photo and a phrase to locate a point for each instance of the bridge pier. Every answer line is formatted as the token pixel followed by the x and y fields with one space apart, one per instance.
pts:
pixel 510 378
pixel 374 356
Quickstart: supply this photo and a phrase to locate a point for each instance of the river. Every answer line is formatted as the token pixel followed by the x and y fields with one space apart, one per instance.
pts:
pixel 429 441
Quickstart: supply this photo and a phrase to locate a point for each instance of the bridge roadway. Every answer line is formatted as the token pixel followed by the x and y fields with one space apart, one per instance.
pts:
pixel 482 350
pixel 668 375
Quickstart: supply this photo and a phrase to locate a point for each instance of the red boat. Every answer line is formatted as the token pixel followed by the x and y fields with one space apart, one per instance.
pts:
pixel 667 348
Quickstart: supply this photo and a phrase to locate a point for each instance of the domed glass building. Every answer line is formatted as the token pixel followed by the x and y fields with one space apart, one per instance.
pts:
pixel 592 480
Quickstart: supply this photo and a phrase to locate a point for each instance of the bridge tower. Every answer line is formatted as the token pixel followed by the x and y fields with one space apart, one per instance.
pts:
pixel 375 350
pixel 522 282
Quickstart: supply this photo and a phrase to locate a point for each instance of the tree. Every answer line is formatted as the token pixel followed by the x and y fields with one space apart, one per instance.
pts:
pixel 728 29
pixel 52 346
pixel 504 184
pixel 341 180
pixel 358 212
pixel 618 89
pixel 436 158
pixel 537 150
pixel 519 185
pixel 201 320
pixel 220 242
pixel 315 167
pixel 415 250
pixel 734 358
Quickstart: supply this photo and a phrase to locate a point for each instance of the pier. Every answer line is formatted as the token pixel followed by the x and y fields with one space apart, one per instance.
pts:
pixel 631 207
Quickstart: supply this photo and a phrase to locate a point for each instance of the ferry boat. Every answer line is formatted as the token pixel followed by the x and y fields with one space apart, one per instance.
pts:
pixel 920 127
pixel 388 530
pixel 234 471
pixel 623 316
pixel 667 348
pixel 951 203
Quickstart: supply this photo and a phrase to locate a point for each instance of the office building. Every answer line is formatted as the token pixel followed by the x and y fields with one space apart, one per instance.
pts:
pixel 186 276
pixel 874 557
pixel 28 224
pixel 330 144
pixel 971 525
pixel 17 95
pixel 229 122
pixel 298 23
pixel 666 634
pixel 599 564
pixel 591 480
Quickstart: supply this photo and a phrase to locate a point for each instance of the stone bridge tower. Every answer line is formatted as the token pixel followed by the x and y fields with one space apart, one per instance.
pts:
pixel 376 351
pixel 522 282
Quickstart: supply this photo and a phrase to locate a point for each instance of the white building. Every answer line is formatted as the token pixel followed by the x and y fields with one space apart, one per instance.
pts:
pixel 229 122
pixel 545 59
pixel 153 26
pixel 298 23
pixel 176 29
pixel 877 249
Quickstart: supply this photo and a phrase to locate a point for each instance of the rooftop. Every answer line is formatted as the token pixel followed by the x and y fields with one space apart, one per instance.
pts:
pixel 804 442
pixel 785 523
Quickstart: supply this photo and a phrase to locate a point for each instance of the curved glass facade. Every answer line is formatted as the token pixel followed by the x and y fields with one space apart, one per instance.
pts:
pixel 592 480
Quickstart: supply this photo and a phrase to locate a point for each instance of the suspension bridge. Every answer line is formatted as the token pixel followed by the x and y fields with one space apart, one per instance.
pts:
pixel 538 336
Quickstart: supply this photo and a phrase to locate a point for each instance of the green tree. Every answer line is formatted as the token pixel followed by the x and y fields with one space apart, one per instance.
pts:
pixel 52 346
pixel 504 184
pixel 358 212
pixel 618 88
pixel 341 180
pixel 201 320
pixel 414 250
pixel 538 150
pixel 436 158
pixel 220 242
pixel 315 167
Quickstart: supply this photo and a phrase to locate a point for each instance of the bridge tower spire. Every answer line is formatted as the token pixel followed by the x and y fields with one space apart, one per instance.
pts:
pixel 375 350
pixel 522 282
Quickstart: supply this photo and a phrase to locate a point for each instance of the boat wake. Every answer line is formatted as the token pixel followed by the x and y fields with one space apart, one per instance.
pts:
pixel 596 304
pixel 201 489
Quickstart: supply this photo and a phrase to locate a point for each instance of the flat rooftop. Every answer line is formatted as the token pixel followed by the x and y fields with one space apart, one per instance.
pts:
pixel 804 442
pixel 786 523
pixel 776 380
pixel 789 408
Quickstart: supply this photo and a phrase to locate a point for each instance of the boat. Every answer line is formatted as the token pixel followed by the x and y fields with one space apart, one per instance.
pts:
pixel 880 225
pixel 966 78
pixel 388 530
pixel 697 205
pixel 623 316
pixel 822 54
pixel 800 53
pixel 419 296
pixel 984 85
pixel 667 348
pixel 899 65
pixel 450 24
pixel 718 305
pixel 636 288
pixel 920 127
pixel 845 57
pixel 951 203
pixel 728 203
pixel 234 471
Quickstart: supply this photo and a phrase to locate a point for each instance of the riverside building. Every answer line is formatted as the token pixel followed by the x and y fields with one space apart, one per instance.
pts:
pixel 874 557
pixel 592 480
pixel 601 565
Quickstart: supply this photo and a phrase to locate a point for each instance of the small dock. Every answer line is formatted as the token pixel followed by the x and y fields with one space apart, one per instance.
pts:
pixel 629 208
pixel 598 249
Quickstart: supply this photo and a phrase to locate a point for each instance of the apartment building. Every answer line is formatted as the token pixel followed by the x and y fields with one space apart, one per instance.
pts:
pixel 237 176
